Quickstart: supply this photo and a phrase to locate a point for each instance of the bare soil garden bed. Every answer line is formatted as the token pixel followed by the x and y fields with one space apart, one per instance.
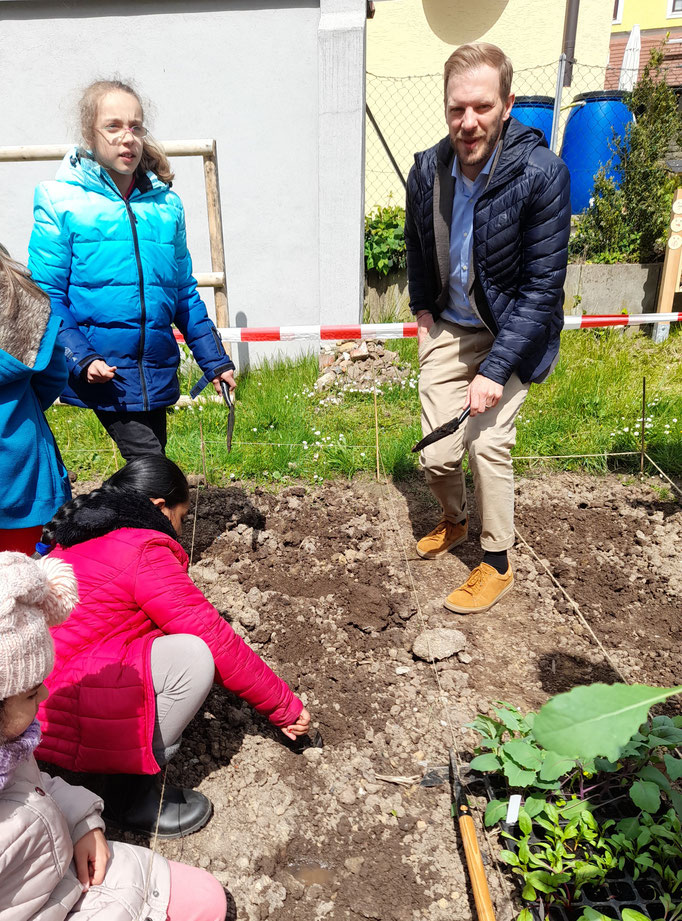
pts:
pixel 320 582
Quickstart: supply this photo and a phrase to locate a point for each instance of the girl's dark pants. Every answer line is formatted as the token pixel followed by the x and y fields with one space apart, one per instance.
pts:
pixel 136 433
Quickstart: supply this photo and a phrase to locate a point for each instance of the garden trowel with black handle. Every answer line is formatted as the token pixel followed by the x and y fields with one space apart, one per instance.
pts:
pixel 229 401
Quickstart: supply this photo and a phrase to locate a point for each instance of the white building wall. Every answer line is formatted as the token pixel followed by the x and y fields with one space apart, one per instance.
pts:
pixel 246 73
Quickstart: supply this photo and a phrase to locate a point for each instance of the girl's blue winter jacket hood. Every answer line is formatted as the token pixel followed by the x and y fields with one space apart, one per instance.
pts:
pixel 36 481
pixel 119 275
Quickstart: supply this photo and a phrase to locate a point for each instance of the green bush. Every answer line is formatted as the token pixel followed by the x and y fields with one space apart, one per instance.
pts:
pixel 385 240
pixel 628 218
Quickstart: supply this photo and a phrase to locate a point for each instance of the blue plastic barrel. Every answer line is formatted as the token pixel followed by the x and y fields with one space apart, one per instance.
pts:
pixel 536 112
pixel 594 119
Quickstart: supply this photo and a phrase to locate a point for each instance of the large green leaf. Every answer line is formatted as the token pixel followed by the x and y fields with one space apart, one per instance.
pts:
pixel 649 772
pixel 646 795
pixel 524 754
pixel 554 766
pixel 534 804
pixel 673 766
pixel 517 777
pixel 629 914
pixel 509 715
pixel 596 719
pixel 488 762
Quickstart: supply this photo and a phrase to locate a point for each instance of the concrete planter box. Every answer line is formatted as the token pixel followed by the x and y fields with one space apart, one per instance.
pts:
pixel 589 289
pixel 611 288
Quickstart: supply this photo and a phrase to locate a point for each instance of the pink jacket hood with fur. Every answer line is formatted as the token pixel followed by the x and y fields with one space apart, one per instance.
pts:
pixel 133 585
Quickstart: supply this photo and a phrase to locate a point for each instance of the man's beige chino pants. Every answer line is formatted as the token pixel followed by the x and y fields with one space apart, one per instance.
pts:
pixel 449 359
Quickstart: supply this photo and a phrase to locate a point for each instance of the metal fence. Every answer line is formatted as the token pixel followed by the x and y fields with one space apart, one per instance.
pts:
pixel 407 115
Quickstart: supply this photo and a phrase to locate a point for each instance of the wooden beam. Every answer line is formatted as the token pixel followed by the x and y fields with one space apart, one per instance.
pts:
pixel 670 275
pixel 197 148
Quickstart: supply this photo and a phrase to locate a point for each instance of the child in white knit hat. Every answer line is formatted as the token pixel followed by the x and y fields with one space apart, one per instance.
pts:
pixel 55 862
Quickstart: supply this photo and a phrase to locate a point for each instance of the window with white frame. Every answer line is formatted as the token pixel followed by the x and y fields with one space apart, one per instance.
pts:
pixel 674 8
pixel 618 11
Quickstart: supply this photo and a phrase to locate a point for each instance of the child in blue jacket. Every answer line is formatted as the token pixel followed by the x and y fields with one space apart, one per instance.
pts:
pixel 109 247
pixel 32 375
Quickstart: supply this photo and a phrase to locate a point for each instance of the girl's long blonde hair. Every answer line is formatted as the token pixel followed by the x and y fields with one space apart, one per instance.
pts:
pixel 17 278
pixel 153 158
pixel 24 310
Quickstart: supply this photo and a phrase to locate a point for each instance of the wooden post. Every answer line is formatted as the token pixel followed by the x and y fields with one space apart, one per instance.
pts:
pixel 215 234
pixel 670 276
pixel 642 450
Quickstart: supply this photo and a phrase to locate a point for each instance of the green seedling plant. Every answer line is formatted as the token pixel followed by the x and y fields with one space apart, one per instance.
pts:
pixel 583 754
pixel 508 746
pixel 559 852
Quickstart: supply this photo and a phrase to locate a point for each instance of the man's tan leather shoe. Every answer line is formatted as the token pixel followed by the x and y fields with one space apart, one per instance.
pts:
pixel 484 587
pixel 443 538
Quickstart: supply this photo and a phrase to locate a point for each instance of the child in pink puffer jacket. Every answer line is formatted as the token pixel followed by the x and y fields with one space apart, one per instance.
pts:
pixel 142 649
pixel 55 862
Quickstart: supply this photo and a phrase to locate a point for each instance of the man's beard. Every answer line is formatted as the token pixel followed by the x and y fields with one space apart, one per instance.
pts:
pixel 483 150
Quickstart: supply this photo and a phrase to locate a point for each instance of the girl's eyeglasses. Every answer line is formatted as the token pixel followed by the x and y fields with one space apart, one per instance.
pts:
pixel 116 133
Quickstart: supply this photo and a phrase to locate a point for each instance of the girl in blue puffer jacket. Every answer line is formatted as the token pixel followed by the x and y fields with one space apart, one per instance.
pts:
pixel 109 247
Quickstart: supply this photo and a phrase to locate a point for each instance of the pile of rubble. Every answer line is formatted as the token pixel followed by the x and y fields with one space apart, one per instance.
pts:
pixel 359 364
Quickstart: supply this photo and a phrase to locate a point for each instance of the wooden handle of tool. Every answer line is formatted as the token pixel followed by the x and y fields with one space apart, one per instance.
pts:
pixel 479 884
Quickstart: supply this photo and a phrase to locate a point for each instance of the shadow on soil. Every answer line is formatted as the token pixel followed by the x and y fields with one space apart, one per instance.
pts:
pixel 559 672
pixel 231 505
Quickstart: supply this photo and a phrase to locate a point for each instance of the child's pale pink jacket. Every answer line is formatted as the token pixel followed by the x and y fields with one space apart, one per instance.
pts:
pixel 41 818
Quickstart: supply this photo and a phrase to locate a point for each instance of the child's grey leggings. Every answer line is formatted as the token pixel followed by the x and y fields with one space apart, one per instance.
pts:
pixel 182 671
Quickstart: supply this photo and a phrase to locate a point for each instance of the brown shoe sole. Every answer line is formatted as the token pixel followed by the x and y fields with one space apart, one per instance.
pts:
pixel 434 554
pixel 456 610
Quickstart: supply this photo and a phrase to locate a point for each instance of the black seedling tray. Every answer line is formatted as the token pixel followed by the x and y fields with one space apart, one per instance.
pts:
pixel 618 892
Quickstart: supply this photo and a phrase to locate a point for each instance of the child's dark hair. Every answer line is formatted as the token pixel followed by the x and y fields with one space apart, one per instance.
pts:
pixel 153 157
pixel 151 475
pixel 155 476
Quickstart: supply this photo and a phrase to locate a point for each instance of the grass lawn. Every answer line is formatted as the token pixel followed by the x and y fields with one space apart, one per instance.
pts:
pixel 285 429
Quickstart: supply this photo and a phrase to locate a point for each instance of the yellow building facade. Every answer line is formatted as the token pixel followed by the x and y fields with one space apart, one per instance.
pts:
pixel 647 14
pixel 414 37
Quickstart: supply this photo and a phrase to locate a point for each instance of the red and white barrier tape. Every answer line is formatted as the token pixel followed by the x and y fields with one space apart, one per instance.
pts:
pixel 409 330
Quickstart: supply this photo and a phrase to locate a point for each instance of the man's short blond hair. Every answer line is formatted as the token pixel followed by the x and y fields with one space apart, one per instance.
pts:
pixel 469 57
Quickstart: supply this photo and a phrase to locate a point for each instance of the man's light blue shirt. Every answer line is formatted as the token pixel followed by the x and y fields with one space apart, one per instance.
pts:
pixel 467 193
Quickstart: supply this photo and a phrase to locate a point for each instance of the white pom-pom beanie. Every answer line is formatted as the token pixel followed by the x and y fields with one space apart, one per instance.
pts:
pixel 34 595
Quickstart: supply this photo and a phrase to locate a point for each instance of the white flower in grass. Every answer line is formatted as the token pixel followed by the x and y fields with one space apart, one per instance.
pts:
pixel 674 420
pixel 254 430
pixel 626 429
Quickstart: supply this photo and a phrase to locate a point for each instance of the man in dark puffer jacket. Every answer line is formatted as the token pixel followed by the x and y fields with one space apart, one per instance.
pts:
pixel 487 227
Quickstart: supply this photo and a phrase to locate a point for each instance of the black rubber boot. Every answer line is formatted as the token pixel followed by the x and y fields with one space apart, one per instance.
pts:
pixel 132 803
